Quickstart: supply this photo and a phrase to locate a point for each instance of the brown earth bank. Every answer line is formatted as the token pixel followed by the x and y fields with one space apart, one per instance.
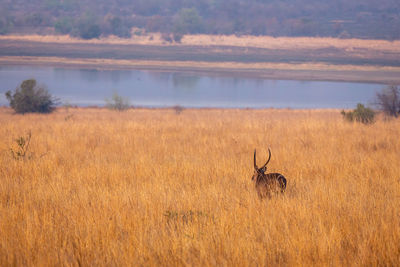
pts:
pixel 262 57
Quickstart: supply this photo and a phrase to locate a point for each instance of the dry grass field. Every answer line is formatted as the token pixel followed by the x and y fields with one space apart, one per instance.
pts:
pixel 152 187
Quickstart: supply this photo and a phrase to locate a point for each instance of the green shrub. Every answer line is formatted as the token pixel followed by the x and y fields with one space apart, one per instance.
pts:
pixel 63 25
pixel 188 20
pixel 89 31
pixel 360 114
pixel 29 97
pixel 4 27
pixel 117 102
pixel 86 27
pixel 118 28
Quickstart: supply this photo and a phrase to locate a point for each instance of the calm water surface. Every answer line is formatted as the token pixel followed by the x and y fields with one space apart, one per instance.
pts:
pixel 159 89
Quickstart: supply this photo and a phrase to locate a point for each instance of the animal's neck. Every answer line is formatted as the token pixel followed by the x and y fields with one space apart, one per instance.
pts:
pixel 261 177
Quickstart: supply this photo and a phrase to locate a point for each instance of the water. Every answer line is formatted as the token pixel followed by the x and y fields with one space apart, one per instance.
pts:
pixel 85 87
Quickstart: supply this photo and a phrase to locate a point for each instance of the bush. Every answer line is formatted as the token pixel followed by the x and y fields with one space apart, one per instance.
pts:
pixel 166 37
pixel 89 31
pixel 178 109
pixel 177 37
pixel 86 27
pixel 188 20
pixel 360 114
pixel 3 27
pixel 389 100
pixel 29 97
pixel 118 28
pixel 63 25
pixel 117 102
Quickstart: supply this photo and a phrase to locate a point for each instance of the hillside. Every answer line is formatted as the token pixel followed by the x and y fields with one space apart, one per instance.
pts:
pixel 366 19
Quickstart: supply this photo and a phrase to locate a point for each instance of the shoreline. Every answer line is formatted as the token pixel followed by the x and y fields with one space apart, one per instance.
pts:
pixel 257 57
pixel 267 70
pixel 182 109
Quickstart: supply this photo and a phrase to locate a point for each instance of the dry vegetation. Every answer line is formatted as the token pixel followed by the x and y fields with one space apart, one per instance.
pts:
pixel 226 40
pixel 151 187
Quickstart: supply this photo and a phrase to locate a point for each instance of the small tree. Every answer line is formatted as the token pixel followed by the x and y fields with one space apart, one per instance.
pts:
pixel 388 100
pixel 119 28
pixel 177 37
pixel 87 27
pixel 360 114
pixel 117 102
pixel 89 31
pixel 3 26
pixel 63 25
pixel 29 97
pixel 187 20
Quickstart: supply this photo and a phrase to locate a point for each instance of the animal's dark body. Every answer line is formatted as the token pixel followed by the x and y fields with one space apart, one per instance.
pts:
pixel 266 183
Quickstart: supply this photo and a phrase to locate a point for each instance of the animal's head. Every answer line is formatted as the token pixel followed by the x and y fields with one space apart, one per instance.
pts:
pixel 260 171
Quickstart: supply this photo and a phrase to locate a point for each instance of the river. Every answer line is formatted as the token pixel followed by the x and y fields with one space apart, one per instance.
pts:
pixel 85 87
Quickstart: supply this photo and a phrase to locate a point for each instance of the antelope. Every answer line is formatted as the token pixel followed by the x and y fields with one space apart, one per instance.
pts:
pixel 267 182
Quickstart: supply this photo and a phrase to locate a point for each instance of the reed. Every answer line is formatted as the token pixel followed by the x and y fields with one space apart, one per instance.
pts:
pixel 153 187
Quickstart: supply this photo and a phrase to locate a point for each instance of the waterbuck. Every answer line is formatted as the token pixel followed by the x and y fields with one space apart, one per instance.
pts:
pixel 267 182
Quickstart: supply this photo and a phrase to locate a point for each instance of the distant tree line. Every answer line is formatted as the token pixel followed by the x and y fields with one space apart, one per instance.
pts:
pixel 88 19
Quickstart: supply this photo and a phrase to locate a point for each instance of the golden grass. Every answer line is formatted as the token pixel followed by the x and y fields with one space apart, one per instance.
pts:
pixel 150 187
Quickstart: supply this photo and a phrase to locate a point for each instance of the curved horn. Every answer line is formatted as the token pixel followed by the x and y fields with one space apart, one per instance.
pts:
pixel 255 165
pixel 269 158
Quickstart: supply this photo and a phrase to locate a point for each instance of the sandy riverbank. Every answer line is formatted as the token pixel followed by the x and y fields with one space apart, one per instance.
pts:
pixel 370 61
